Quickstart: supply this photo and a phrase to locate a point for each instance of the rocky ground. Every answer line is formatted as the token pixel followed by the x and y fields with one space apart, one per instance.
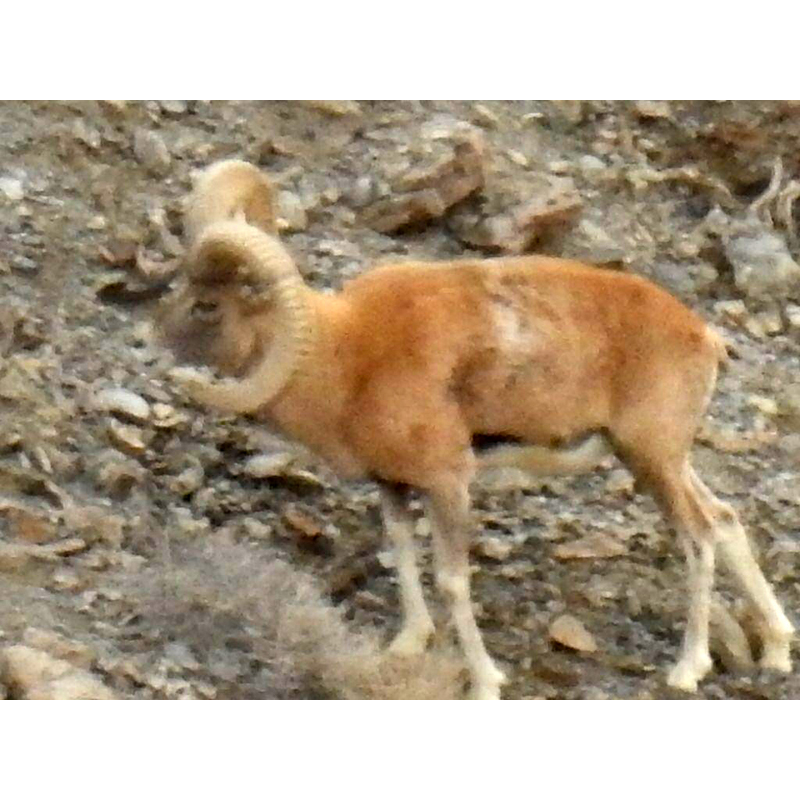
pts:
pixel 150 550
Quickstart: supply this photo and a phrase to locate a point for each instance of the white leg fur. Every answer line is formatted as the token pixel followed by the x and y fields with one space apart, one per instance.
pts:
pixel 486 677
pixel 417 626
pixel 776 630
pixel 695 660
pixel 449 513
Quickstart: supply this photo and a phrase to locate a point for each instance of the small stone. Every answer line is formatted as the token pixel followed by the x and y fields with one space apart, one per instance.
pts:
pixel 87 134
pixel 495 548
pixel 570 632
pixel 335 108
pixel 95 560
pixel 301 523
pixel 766 405
pixel 166 416
pixel 770 321
pixel 13 557
pixel 256 529
pixel 559 167
pixel 687 248
pixel 793 315
pixel 485 115
pixel 33 674
pixel 31 527
pixel 76 653
pixel 162 411
pixel 597 546
pixel 291 212
pixel 63 547
pixel 790 444
pixel 620 480
pixel 187 524
pixel 267 466
pixel 24 264
pixel 119 475
pixel 734 310
pixel 151 151
pixel 180 654
pixel 188 481
pixel 97 223
pixel 652 109
pixel 12 188
pixel 67 580
pixel 572 111
pixel 363 191
pixel 755 328
pixel 520 159
pixel 174 106
pixel 590 164
pixel 95 524
pixel 123 402
pixel 127 437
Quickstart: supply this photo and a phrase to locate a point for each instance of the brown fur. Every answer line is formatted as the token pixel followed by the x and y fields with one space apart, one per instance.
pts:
pixel 412 360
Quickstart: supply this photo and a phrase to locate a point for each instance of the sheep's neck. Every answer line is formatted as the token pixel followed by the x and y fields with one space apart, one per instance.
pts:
pixel 309 409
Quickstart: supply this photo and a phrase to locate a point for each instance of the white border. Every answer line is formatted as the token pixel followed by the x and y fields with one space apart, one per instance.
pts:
pixel 407 50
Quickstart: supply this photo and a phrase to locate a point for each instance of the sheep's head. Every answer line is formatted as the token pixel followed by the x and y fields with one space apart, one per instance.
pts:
pixel 242 309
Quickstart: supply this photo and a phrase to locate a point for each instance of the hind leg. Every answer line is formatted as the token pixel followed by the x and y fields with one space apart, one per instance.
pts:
pixel 417 626
pixel 695 658
pixel 776 631
pixel 668 478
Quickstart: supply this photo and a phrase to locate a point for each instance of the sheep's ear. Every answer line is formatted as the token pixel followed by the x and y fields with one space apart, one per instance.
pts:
pixel 216 264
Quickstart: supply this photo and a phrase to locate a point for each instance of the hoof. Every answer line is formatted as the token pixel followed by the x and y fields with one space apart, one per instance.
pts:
pixel 685 675
pixel 485 693
pixel 410 642
pixel 776 658
pixel 498 676
pixel 488 687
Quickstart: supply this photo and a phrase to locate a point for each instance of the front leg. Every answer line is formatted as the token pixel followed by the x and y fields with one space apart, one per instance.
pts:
pixel 449 507
pixel 417 627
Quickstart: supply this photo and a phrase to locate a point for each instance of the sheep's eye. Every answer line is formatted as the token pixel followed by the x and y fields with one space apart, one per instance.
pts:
pixel 204 309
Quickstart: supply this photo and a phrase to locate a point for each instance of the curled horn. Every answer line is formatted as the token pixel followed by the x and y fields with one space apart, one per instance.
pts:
pixel 229 190
pixel 237 252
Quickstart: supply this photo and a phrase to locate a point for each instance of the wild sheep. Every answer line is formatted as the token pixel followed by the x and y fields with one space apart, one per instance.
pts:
pixel 395 377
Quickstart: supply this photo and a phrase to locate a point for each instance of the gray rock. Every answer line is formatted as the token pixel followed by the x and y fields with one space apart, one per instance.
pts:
pixel 12 188
pixel 24 264
pixel 174 106
pixel 762 264
pixel 688 280
pixel 151 151
pixel 291 212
